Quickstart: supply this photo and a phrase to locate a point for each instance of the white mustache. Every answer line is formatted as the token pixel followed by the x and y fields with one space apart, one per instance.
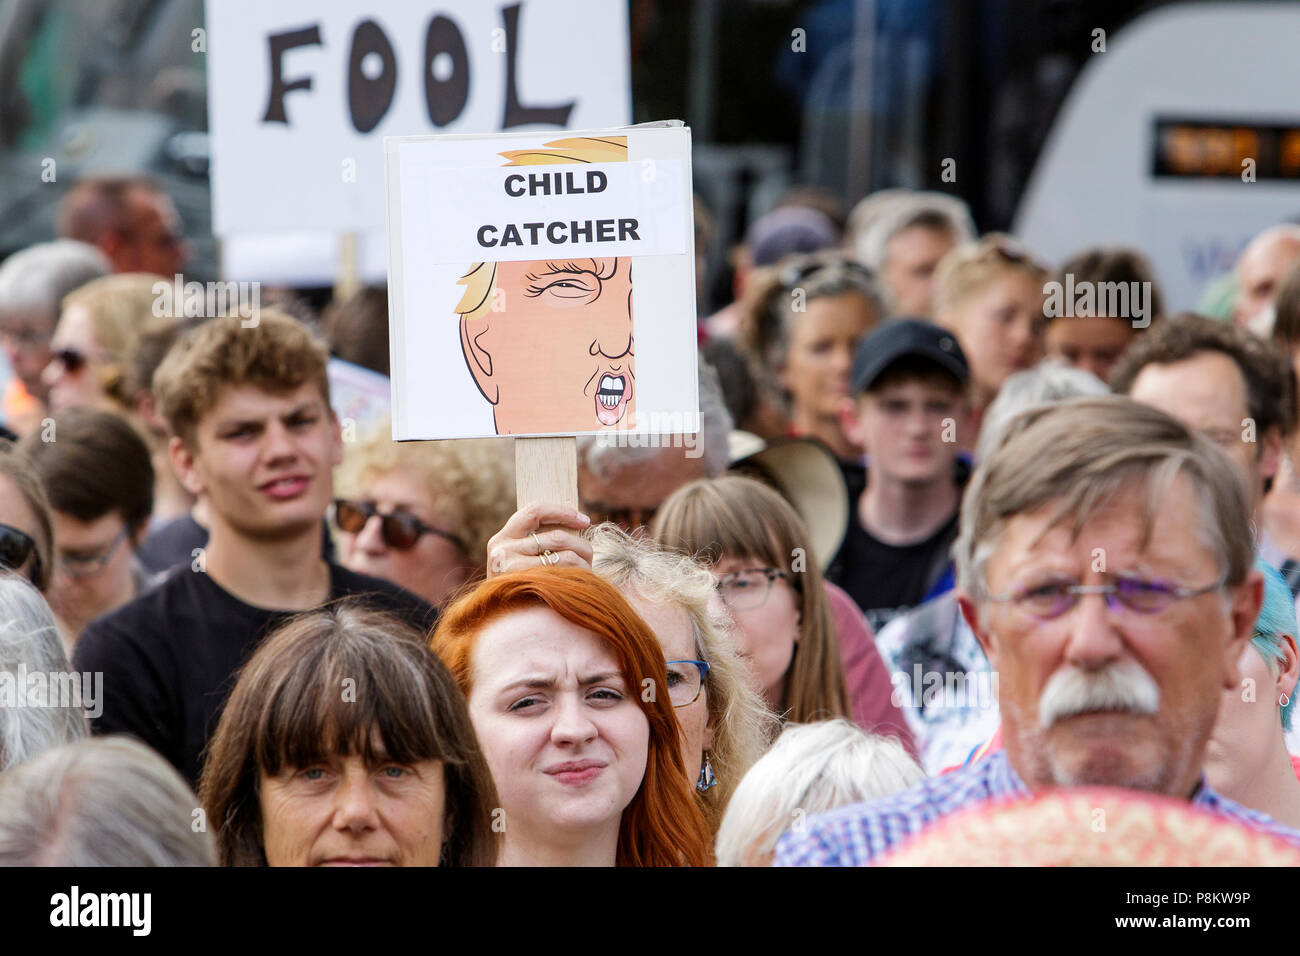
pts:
pixel 1125 686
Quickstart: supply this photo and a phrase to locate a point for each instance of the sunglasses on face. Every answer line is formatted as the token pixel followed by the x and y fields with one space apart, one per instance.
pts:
pixel 71 360
pixel 399 530
pixel 16 547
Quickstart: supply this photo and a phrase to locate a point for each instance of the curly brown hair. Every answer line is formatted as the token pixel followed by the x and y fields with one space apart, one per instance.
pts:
pixel 277 355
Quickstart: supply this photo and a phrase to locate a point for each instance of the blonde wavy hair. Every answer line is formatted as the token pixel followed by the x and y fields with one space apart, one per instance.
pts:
pixel 742 725
pixel 120 308
pixel 481 277
pixel 968 268
pixel 471 479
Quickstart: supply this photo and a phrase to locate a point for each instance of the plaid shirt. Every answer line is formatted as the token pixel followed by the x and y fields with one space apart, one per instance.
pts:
pixel 855 835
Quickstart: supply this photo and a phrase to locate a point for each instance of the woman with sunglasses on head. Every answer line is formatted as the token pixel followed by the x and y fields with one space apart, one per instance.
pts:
pixel 420 513
pixel 98 476
pixel 801 324
pixel 758 550
pixel 990 295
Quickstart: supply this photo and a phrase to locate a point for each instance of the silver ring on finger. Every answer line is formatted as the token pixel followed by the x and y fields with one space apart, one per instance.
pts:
pixel 537 541
pixel 549 557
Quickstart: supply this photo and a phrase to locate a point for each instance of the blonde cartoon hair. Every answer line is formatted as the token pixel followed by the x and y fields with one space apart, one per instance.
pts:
pixel 480 279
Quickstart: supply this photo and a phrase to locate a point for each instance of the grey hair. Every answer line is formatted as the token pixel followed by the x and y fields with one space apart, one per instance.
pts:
pixel 605 458
pixel 934 210
pixel 37 278
pixel 810 769
pixel 30 644
pixel 1082 452
pixel 1050 381
pixel 742 723
pixel 104 801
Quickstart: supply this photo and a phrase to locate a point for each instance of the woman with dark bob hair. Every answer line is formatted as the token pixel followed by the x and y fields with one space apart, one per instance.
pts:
pixel 346 742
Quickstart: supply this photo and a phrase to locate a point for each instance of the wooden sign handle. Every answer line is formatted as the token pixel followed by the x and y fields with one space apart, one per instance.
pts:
pixel 546 470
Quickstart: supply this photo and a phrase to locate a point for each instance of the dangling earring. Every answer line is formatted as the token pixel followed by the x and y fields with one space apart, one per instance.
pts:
pixel 707 780
pixel 1283 700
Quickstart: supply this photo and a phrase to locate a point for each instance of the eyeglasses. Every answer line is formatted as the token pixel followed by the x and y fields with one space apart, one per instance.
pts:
pixel 72 360
pixel 1051 599
pixel 88 565
pixel 685 679
pixel 15 548
pixel 399 530
pixel 747 589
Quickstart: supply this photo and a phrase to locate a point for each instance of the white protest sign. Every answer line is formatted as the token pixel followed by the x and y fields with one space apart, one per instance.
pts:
pixel 542 284
pixel 302 93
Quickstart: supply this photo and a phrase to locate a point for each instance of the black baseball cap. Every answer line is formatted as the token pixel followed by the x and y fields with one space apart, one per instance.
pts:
pixel 904 338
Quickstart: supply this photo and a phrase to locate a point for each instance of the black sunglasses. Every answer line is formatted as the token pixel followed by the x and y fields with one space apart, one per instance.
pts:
pixel 399 530
pixel 71 360
pixel 15 548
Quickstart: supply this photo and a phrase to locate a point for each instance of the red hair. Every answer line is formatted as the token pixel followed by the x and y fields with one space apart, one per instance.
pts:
pixel 663 825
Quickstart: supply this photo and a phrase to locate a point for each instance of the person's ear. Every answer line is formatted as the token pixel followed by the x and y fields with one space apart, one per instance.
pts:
pixel 1288 669
pixel 186 466
pixel 475 342
pixel 1246 601
pixel 970 611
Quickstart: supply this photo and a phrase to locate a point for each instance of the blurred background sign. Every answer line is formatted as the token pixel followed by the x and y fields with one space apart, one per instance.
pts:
pixel 301 95
pixel 1176 139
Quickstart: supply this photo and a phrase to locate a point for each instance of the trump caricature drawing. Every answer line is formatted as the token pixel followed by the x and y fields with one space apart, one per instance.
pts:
pixel 549 342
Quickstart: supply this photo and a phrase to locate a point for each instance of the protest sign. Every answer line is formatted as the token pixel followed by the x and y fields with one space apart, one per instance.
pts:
pixel 542 284
pixel 302 93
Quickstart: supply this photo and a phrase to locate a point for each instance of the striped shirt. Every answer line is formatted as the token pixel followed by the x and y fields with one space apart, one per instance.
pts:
pixel 855 835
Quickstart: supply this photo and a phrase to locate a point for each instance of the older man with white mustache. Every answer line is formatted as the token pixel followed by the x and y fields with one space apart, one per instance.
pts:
pixel 1104 564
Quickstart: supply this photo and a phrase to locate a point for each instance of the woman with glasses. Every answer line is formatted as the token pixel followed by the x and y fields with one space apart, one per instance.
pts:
pixel 566 689
pixel 758 550
pixel 725 725
pixel 801 326
pixel 990 295
pixel 420 513
pixel 98 475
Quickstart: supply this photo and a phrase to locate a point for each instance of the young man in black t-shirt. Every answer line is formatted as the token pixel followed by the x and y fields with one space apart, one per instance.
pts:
pixel 909 412
pixel 252 429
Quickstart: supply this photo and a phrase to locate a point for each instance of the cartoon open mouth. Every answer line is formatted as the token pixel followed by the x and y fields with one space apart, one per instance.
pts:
pixel 612 396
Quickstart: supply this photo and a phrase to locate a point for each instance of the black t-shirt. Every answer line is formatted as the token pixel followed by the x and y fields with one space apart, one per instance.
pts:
pixel 884 579
pixel 170 657
pixel 175 542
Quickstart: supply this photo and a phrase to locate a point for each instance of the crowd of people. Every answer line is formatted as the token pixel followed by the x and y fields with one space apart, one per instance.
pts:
pixel 936 552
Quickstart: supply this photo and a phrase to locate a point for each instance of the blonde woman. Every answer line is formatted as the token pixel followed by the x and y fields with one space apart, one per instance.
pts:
pixel 810 769
pixel 725 725
pixel 95 342
pixel 990 295
pixel 757 549
pixel 420 513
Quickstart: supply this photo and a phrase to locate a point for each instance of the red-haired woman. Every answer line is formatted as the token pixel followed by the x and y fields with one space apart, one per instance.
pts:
pixel 568 695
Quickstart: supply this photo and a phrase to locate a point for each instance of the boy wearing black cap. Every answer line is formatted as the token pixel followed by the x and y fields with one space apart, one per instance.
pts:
pixel 909 411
